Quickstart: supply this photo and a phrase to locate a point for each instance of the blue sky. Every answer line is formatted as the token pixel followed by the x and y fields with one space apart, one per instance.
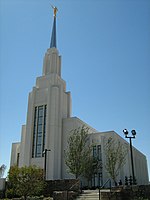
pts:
pixel 105 48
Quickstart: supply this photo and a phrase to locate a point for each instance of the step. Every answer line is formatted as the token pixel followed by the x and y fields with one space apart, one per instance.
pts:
pixel 105 190
pixel 85 197
pixel 88 198
pixel 89 195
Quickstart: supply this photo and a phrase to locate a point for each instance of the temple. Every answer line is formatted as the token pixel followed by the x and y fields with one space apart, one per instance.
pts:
pixel 49 122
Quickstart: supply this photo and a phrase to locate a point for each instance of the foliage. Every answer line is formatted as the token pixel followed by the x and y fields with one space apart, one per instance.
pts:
pixel 2 194
pixel 10 193
pixel 91 167
pixel 25 181
pixel 78 156
pixel 115 157
pixel 2 170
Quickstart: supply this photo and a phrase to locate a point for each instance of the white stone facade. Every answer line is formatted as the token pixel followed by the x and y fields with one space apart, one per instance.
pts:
pixel 140 163
pixel 49 123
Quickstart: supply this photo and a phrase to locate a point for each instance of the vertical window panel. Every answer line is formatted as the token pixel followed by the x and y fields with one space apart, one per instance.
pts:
pixel 94 152
pixel 44 127
pixel 39 129
pixel 34 132
pixel 99 152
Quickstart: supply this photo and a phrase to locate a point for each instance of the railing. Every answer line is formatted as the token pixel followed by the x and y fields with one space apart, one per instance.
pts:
pixel 69 189
pixel 108 180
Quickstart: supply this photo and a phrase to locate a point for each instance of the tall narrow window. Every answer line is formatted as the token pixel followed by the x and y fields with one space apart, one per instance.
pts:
pixel 99 152
pixel 39 130
pixel 18 156
pixel 100 179
pixel 94 152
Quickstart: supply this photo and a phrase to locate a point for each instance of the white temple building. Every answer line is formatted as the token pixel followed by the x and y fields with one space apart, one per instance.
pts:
pixel 49 123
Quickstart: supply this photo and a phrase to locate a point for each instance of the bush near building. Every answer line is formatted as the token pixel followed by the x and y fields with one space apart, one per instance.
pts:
pixel 25 181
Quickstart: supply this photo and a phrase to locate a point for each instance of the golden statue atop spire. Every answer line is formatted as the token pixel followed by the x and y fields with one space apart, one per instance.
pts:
pixel 55 10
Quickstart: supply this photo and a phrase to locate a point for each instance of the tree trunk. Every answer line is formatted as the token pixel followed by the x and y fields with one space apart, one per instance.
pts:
pixel 115 183
pixel 25 197
pixel 76 176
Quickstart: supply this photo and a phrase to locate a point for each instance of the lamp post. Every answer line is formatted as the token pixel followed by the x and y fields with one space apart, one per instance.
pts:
pixel 45 161
pixel 125 131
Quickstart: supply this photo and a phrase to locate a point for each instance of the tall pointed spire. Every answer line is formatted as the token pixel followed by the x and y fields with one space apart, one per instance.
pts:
pixel 52 60
pixel 53 37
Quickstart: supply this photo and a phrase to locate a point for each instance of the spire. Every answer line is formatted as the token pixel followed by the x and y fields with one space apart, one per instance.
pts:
pixel 53 37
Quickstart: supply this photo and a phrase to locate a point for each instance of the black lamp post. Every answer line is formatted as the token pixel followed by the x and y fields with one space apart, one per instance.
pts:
pixel 125 131
pixel 45 160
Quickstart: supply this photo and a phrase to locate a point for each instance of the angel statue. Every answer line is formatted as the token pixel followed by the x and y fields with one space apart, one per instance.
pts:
pixel 55 10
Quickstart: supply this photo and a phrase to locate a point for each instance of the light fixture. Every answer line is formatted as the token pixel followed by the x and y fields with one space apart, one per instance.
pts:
pixel 133 133
pixel 125 131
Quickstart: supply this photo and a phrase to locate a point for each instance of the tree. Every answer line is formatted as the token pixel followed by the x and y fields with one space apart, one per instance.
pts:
pixel 25 181
pixel 2 170
pixel 90 167
pixel 78 151
pixel 115 157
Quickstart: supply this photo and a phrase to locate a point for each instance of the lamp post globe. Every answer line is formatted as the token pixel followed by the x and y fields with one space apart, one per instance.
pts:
pixel 133 133
pixel 125 131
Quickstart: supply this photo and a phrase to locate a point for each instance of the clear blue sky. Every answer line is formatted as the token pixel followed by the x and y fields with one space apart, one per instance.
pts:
pixel 105 48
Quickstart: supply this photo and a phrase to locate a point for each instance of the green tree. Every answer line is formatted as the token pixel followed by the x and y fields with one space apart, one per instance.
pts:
pixel 25 181
pixel 2 170
pixel 90 167
pixel 78 152
pixel 115 154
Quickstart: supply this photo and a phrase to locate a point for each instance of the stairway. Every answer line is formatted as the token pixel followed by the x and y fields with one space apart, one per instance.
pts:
pixel 89 195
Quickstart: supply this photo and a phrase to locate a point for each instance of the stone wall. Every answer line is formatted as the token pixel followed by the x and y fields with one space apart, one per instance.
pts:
pixel 127 193
pixel 64 195
pixel 62 185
